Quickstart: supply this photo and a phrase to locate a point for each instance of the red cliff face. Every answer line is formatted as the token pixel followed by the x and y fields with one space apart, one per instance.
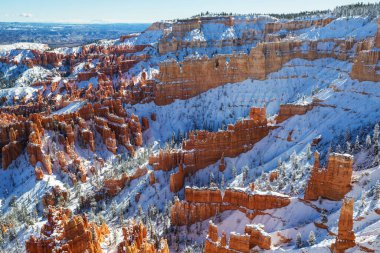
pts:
pixel 192 77
pixel 365 67
pixel 205 148
pixel 254 236
pixel 135 240
pixel 289 110
pixel 65 233
pixel 377 39
pixel 334 181
pixel 295 25
pixel 14 132
pixel 346 236
pixel 201 204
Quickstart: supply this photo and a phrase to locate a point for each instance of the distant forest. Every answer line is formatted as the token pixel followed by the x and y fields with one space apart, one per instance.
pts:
pixel 358 9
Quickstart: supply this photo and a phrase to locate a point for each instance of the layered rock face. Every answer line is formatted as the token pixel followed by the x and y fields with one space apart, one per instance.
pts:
pixel 346 236
pixel 135 240
pixel 114 186
pixel 332 182
pixel 289 110
pixel 254 236
pixel 14 132
pixel 201 204
pixel 66 233
pixel 295 25
pixel 176 39
pixel 194 76
pixel 205 148
pixel 366 67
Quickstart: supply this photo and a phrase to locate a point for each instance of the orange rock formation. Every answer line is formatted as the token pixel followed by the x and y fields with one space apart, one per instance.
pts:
pixel 135 240
pixel 254 236
pixel 205 148
pixel 346 236
pixel 192 77
pixel 333 182
pixel 201 204
pixel 66 233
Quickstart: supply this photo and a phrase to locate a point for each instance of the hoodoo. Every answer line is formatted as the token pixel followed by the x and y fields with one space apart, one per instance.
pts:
pixel 334 181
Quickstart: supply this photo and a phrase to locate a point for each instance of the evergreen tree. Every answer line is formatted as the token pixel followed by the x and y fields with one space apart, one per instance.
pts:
pixel 357 144
pixel 376 191
pixel 311 239
pixel 324 216
pixel 368 141
pixel 376 133
pixel 234 172
pixel 222 183
pixel 348 147
pixel 299 240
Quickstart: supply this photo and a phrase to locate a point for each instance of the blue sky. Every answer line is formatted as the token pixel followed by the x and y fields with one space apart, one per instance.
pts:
pixel 145 11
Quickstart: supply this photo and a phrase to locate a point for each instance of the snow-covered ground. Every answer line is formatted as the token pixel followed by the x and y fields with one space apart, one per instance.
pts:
pixel 348 106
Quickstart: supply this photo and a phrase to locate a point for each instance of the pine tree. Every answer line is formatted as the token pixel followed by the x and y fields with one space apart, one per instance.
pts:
pixel 348 147
pixel 234 172
pixel 212 179
pixel 308 151
pixel 357 144
pixel 222 183
pixel 376 191
pixel 311 239
pixel 299 240
pixel 376 133
pixel 324 216
pixel 245 173
pixel 368 141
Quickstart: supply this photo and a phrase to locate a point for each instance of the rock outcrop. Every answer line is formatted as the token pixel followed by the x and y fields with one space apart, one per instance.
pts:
pixel 346 236
pixel 66 233
pixel 289 110
pixel 332 182
pixel 135 240
pixel 114 186
pixel 194 76
pixel 254 236
pixel 295 25
pixel 205 148
pixel 201 204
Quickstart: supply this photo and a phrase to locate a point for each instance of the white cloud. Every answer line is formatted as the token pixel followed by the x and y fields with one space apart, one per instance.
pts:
pixel 26 15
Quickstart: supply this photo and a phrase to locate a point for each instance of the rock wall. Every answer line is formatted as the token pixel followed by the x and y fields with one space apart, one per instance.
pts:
pixel 346 236
pixel 254 236
pixel 333 182
pixel 193 76
pixel 365 67
pixel 114 186
pixel 66 233
pixel 205 148
pixel 201 204
pixel 295 25
pixel 289 110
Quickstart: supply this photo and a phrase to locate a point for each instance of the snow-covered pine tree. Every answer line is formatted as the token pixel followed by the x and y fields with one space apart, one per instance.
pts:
pixel 376 133
pixel 311 239
pixel 299 240
pixel 357 144
pixel 368 141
